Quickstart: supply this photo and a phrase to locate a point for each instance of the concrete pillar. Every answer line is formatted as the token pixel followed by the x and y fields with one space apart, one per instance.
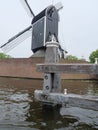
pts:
pixel 52 81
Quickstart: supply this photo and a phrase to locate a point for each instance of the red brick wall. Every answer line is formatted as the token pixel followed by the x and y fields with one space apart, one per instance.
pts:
pixel 26 68
pixel 20 67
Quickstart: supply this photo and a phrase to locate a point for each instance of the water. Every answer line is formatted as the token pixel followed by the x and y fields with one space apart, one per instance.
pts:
pixel 19 111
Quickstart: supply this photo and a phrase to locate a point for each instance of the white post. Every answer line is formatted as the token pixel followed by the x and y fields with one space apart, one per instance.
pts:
pixel 96 60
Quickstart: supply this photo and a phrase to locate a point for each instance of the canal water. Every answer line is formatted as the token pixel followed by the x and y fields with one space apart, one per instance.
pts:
pixel 19 111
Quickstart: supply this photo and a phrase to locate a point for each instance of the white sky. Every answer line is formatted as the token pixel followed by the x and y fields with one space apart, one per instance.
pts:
pixel 78 25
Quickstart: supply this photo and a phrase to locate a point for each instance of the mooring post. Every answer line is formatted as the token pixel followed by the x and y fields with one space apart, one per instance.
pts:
pixel 52 81
pixel 51 94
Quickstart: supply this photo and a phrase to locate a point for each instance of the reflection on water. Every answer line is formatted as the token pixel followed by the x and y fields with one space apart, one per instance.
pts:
pixel 19 111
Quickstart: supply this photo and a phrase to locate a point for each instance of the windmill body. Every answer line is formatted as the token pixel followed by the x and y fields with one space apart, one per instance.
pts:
pixel 43 26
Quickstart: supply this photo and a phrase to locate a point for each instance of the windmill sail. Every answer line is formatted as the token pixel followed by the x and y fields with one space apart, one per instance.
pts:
pixel 17 39
pixel 58 6
pixel 27 8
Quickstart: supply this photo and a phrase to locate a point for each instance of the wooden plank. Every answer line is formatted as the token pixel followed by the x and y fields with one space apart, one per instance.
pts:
pixel 68 68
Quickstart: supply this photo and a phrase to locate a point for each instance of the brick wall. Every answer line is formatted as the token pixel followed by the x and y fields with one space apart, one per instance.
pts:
pixel 26 68
pixel 20 67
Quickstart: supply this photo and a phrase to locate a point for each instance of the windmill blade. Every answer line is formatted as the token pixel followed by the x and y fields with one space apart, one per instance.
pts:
pixel 58 6
pixel 17 39
pixel 27 8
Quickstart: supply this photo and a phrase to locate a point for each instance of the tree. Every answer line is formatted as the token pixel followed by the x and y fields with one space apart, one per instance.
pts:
pixel 70 57
pixel 3 56
pixel 93 55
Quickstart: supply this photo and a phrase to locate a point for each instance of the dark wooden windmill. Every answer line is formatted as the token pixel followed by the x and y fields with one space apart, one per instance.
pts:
pixel 43 25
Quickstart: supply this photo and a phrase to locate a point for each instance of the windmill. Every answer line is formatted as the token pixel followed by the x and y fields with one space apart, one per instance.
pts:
pixel 43 26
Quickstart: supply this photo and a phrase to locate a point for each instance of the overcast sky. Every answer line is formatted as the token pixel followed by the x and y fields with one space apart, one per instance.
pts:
pixel 78 26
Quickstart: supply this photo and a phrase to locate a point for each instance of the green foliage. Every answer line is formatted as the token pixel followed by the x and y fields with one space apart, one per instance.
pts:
pixel 93 55
pixel 3 56
pixel 70 57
